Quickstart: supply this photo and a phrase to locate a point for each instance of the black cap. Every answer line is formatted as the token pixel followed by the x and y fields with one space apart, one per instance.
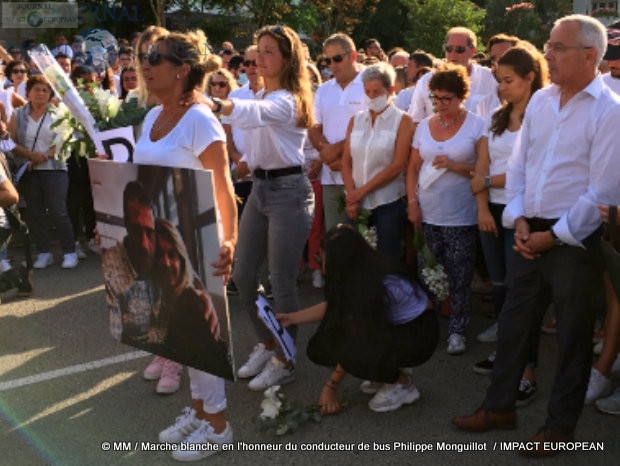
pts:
pixel 613 52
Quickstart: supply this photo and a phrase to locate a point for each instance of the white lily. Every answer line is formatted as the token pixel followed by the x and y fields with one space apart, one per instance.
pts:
pixel 114 104
pixel 270 408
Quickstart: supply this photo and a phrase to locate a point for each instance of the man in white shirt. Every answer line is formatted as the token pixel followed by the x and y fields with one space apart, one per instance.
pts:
pixel 335 102
pixel 612 79
pixel 62 46
pixel 460 46
pixel 563 166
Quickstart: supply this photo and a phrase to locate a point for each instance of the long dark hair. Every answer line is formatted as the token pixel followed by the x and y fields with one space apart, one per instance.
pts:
pixel 523 59
pixel 354 274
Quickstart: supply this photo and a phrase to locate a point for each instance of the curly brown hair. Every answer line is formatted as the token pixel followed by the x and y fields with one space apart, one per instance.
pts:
pixel 451 78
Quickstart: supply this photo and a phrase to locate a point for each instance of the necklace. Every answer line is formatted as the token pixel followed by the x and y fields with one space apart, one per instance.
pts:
pixel 453 122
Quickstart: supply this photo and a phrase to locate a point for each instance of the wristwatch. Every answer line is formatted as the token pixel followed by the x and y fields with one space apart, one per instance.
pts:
pixel 556 240
pixel 218 104
pixel 487 181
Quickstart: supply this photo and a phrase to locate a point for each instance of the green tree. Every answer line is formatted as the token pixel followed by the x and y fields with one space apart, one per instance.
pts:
pixel 430 20
pixel 388 24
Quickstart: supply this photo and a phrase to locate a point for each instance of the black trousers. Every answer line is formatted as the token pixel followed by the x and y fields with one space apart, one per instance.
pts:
pixel 570 277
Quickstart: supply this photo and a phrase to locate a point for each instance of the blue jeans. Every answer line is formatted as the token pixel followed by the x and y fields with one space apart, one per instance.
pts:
pixel 275 224
pixel 47 189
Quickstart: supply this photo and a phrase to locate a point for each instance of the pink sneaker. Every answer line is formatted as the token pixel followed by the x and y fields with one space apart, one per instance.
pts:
pixel 154 369
pixel 170 377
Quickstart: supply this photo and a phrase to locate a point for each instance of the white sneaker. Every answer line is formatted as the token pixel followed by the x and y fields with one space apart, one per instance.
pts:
pixel 79 251
pixel 393 396
pixel 256 361
pixel 274 373
pixel 203 442
pixel 43 260
pixel 70 260
pixel 370 388
pixel 183 425
pixel 93 246
pixel 317 279
pixel 599 386
pixel 489 335
pixel 456 344
pixel 5 265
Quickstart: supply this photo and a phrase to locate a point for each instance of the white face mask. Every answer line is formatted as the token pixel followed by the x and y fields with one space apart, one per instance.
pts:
pixel 377 104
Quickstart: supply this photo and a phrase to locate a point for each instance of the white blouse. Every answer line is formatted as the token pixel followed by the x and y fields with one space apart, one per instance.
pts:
pixel 500 149
pixel 372 151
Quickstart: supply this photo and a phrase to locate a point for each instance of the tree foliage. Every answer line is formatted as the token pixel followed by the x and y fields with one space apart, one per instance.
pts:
pixel 430 20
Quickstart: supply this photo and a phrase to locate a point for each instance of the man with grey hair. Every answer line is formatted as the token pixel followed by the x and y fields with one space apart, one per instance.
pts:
pixel 335 102
pixel 460 47
pixel 563 166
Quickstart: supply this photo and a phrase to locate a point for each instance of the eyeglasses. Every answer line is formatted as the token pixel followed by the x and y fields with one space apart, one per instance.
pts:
pixel 558 47
pixel 221 84
pixel 155 59
pixel 451 48
pixel 227 52
pixel 335 58
pixel 247 63
pixel 19 71
pixel 442 100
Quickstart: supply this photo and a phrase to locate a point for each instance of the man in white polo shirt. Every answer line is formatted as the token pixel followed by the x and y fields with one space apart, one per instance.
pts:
pixel 335 102
pixel 460 46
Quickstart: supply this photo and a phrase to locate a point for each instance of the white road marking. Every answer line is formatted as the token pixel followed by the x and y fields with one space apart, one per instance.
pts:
pixel 11 384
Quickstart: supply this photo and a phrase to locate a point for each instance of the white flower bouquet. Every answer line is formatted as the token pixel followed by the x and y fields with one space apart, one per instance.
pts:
pixel 363 218
pixel 282 415
pixel 432 273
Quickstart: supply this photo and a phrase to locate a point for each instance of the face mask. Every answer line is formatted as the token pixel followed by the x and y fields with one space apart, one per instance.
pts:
pixel 326 73
pixel 243 79
pixel 377 104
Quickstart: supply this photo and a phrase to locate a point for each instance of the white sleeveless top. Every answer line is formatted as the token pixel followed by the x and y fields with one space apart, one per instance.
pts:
pixel 372 150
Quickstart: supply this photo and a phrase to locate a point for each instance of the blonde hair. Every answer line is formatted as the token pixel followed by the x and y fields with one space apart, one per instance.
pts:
pixel 150 34
pixel 293 77
pixel 230 80
pixel 213 63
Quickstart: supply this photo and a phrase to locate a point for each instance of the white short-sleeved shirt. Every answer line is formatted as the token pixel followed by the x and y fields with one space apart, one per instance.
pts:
pixel 182 146
pixel 481 83
pixel 487 106
pixel 333 109
pixel 500 149
pixel 448 201
pixel 403 98
pixel 612 83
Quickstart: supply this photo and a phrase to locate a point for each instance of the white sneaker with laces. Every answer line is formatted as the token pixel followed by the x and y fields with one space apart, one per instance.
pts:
pixel 274 373
pixel 183 425
pixel 599 386
pixel 93 246
pixel 317 279
pixel 79 251
pixel 256 361
pixel 489 335
pixel 370 388
pixel 456 344
pixel 43 260
pixel 202 442
pixel 393 396
pixel 70 260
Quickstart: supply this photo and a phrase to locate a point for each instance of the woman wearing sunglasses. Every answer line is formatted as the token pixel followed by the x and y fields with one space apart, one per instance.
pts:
pixel 176 135
pixel 278 214
pixel 220 83
pixel 442 157
pixel 17 73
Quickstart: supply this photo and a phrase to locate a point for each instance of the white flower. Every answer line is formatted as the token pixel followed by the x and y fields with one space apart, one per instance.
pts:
pixel 102 97
pixel 272 392
pixel 270 408
pixel 114 104
pixel 370 236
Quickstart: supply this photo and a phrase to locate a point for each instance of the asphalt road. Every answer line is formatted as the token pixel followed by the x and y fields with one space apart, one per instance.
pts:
pixel 65 417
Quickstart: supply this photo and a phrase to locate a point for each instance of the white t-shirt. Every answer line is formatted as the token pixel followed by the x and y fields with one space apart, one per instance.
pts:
pixel 271 124
pixel 481 83
pixel 6 97
pixel 448 201
pixel 333 108
pixel 403 98
pixel 182 146
pixel 487 106
pixel 500 149
pixel 237 133
pixel 612 83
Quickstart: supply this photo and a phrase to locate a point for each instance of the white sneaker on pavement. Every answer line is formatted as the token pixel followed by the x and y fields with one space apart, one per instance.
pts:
pixel 183 425
pixel 393 396
pixel 43 260
pixel 70 260
pixel 202 442
pixel 599 386
pixel 79 251
pixel 274 373
pixel 456 344
pixel 489 335
pixel 93 246
pixel 256 361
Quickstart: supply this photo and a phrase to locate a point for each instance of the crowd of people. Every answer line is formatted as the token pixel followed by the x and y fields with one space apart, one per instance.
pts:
pixel 513 151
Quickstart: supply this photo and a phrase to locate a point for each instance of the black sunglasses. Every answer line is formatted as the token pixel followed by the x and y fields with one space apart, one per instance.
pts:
pixel 19 71
pixel 335 58
pixel 221 84
pixel 249 62
pixel 457 49
pixel 155 59
pixel 442 100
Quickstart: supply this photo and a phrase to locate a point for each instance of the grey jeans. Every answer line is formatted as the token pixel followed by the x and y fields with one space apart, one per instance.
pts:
pixel 331 194
pixel 275 224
